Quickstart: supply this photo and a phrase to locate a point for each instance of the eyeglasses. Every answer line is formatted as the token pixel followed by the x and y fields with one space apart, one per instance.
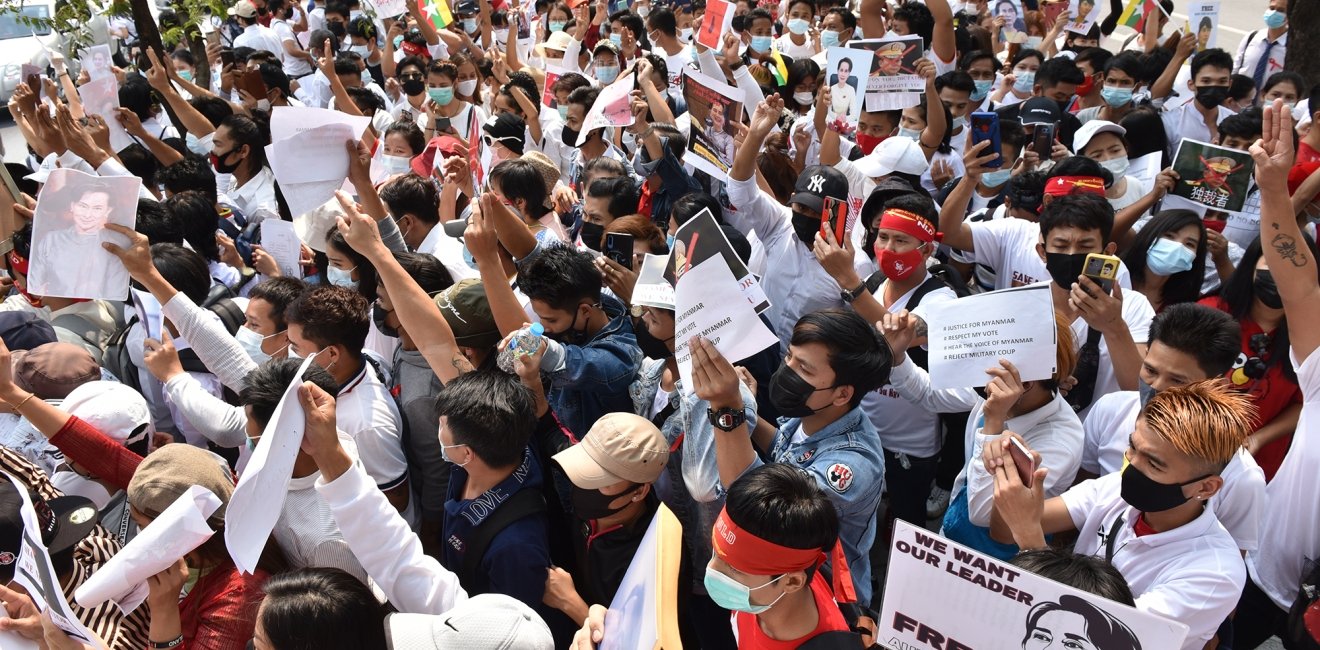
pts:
pixel 412 76
pixel 490 141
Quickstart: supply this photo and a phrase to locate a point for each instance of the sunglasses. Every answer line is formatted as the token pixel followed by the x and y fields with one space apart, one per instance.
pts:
pixel 490 141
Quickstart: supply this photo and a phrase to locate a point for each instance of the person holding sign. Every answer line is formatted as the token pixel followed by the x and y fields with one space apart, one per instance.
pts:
pixel 1150 520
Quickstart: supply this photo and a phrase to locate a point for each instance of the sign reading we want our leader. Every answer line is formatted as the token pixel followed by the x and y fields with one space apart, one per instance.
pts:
pixel 944 596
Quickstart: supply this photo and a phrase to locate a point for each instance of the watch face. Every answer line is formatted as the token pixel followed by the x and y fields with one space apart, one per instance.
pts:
pixel 726 420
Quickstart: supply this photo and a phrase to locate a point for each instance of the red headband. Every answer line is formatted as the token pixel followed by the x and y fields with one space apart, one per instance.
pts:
pixel 412 49
pixel 755 556
pixel 17 262
pixel 909 223
pixel 1065 185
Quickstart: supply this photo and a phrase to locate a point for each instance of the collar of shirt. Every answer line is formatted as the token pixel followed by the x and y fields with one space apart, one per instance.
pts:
pixel 476 510
pixel 848 423
pixel 1028 421
pixel 1203 525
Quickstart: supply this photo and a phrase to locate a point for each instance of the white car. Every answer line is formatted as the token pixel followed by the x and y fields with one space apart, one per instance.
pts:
pixel 21 43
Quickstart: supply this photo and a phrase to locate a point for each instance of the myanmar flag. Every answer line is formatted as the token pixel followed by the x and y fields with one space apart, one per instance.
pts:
pixel 439 13
pixel 777 68
pixel 1134 14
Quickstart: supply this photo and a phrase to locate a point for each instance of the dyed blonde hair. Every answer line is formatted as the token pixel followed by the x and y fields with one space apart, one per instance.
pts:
pixel 1207 420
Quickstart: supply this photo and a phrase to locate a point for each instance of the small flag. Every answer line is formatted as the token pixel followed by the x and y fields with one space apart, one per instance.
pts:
pixel 439 13
pixel 777 68
pixel 1133 14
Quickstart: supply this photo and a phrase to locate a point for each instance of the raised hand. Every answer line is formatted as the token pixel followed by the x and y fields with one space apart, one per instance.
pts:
pixel 1273 152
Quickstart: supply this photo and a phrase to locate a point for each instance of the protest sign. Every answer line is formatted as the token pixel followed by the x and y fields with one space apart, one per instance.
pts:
pixel 714 108
pixel 280 240
pixel 708 302
pixel 644 612
pixel 391 8
pixel 96 61
pixel 971 334
pixel 1146 168
pixel 1052 11
pixel 552 74
pixel 101 97
pixel 700 239
pixel 176 532
pixel 846 65
pixel 35 574
pixel 68 228
pixel 1082 15
pixel 938 589
pixel 1015 25
pixel 311 226
pixel 287 121
pixel 1212 176
pixel 652 289
pixel 311 156
pixel 259 496
pixel 717 21
pixel 1203 18
pixel 894 68
pixel 613 107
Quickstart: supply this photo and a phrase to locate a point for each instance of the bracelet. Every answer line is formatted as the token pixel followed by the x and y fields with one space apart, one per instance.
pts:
pixel 18 406
pixel 164 645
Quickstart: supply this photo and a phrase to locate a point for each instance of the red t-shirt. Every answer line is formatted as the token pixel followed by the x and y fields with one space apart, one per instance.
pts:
pixel 1306 153
pixel 1271 393
pixel 750 636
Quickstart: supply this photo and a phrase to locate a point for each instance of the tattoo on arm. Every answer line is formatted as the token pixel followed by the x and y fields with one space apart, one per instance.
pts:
pixel 921 328
pixel 461 364
pixel 1286 246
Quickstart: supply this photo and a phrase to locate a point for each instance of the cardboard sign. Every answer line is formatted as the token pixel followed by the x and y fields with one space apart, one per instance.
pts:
pixel 1203 19
pixel 715 23
pixel 940 594
pixel 613 107
pixel 971 334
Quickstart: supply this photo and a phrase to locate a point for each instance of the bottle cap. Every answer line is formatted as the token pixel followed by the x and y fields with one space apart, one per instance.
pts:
pixel 536 329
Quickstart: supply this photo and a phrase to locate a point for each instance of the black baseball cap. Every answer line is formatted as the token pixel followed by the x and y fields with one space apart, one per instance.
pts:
pixel 817 182
pixel 64 522
pixel 1039 110
pixel 24 330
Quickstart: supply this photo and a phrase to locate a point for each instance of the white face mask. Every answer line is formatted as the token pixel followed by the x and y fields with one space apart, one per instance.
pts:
pixel 804 98
pixel 340 277
pixel 251 341
pixel 396 164
pixel 685 35
pixel 1116 166
pixel 466 88
pixel 360 50
pixel 263 104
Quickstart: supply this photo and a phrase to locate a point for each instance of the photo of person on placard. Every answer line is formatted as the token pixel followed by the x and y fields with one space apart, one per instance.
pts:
pixel 843 92
pixel 68 260
pixel 1075 624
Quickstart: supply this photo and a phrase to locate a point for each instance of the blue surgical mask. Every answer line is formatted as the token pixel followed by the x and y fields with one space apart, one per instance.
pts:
pixel 1275 19
pixel 398 41
pixel 557 26
pixel 1034 42
pixel 669 242
pixel 829 38
pixel 733 595
pixel 761 44
pixel 250 340
pixel 617 40
pixel 798 26
pixel 1166 257
pixel 441 96
pixel 251 444
pixel 563 112
pixel 396 164
pixel 1025 82
pixel 186 75
pixel 911 134
pixel 1117 166
pixel 469 25
pixel 340 277
pixel 1116 97
pixel 983 87
pixel 996 178
pixel 607 73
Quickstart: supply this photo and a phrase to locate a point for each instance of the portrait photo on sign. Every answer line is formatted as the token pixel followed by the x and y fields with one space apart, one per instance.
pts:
pixel 714 111
pixel 846 76
pixel 96 61
pixel 1212 176
pixel 68 228
pixel 1082 14
pixel 894 66
pixel 1203 18
pixel 1015 24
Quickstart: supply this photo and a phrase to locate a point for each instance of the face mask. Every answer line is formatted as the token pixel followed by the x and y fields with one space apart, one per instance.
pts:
pixel 798 26
pixel 338 28
pixel 500 36
pixel 441 96
pixel 1086 87
pixel 194 145
pixel 806 228
pixel 1144 391
pixel 982 90
pixel 218 160
pixel 413 87
pixel 996 178
pixel 789 393
pixel 1034 42
pixel 733 595
pixel 1065 268
pixel 829 38
pixel 685 35
pixel 1025 82
pixel 1166 257
pixel 470 25
pixel 761 44
pixel 669 242
pixel 592 234
pixel 867 142
pixel 340 277
pixel 569 136
pixel 378 316
pixel 250 340
pixel 570 336
pixel 360 50
pixel 1275 19
pixel 911 134
pixel 617 40
pixel 466 88
pixel 1146 495
pixel 186 75
pixel 444 453
pixel 1267 292
pixel 652 347
pixel 590 505
pixel 899 266
pixel 607 73
pixel 804 98
pixel 1116 97
pixel 251 444
pixel 398 41
pixel 563 111
pixel 557 26
pixel 959 123
pixel 396 164
pixel 1116 166
pixel 1211 96
pixel 263 105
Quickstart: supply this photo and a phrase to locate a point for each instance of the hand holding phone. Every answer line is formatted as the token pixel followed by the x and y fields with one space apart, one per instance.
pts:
pixel 985 127
pixel 834 219
pixel 619 247
pixel 1042 140
pixel 1102 269
pixel 1023 460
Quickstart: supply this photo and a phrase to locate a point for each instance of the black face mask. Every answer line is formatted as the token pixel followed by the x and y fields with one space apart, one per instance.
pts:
pixel 789 393
pixel 806 228
pixel 652 347
pixel 224 167
pixel 1065 268
pixel 1267 292
pixel 261 11
pixel 1145 494
pixel 337 28
pixel 288 14
pixel 570 336
pixel 413 87
pixel 1145 391
pixel 592 234
pixel 1211 96
pixel 590 505
pixel 378 316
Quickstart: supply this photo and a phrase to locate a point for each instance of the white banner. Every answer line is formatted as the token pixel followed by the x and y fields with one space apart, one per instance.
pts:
pixel 971 334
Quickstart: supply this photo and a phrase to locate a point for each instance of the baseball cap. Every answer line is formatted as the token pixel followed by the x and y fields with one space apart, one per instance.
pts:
pixel 48 164
pixel 424 162
pixel 1039 110
pixel 482 622
pixel 24 330
pixel 619 447
pixel 243 8
pixel 605 45
pixel 64 522
pixel 509 129
pixel 894 154
pixel 1092 129
pixel 817 182
pixel 114 409
pixel 168 472
pixel 466 8
pixel 467 311
pixel 52 370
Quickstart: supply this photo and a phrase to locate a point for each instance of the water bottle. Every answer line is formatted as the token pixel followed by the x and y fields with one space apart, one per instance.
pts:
pixel 525 342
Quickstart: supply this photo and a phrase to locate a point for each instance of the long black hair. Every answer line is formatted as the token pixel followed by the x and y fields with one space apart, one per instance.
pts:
pixel 367 278
pixel 1239 295
pixel 1184 286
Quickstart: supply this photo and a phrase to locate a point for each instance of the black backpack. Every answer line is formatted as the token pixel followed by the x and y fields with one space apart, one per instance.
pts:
pixel 117 360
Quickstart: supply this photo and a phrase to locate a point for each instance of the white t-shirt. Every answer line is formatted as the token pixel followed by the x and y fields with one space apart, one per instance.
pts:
pixel 1009 247
pixel 787 47
pixel 293 66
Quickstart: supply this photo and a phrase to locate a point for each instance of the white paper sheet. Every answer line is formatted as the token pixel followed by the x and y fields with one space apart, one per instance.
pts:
pixel 259 497
pixel 286 121
pixel 101 97
pixel 281 240
pixel 709 303
pixel 971 334
pixel 177 531
pixel 652 289
pixel 313 155
pixel 613 107
pixel 312 225
pixel 630 623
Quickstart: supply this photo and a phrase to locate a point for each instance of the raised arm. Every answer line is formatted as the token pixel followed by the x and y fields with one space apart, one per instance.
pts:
pixel 941 40
pixel 953 213
pixel 191 119
pixel 481 239
pixel 872 17
pixel 1164 85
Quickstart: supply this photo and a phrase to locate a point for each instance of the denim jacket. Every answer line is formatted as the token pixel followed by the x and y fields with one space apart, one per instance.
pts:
pixel 593 378
pixel 847 462
pixel 675 182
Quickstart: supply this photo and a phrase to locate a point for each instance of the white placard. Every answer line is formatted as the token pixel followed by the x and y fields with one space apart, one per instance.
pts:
pixel 940 590
pixel 971 334
pixel 68 229
pixel 280 240
pixel 652 289
pixel 1203 19
pixel 1082 15
pixel 259 496
pixel 287 121
pixel 176 532
pixel 101 97
pixel 710 303
pixel 313 155
pixel 97 62
pixel 613 107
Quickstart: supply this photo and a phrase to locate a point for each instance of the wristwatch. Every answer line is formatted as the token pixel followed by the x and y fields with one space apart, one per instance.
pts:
pixel 850 295
pixel 727 419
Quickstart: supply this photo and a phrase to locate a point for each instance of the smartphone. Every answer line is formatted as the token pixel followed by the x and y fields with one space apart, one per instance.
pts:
pixel 213 36
pixel 226 57
pixel 985 126
pixel 252 82
pixel 834 218
pixel 1102 269
pixel 619 247
pixel 1025 462
pixel 441 123
pixel 1042 140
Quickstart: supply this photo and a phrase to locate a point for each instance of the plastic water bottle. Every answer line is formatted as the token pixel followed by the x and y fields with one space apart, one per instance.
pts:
pixel 524 343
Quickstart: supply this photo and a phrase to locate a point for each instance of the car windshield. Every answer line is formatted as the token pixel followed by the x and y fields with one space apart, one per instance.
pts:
pixel 15 24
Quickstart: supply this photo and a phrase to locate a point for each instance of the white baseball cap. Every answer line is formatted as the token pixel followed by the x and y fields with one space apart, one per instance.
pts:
pixel 114 409
pixel 1092 129
pixel 483 622
pixel 895 154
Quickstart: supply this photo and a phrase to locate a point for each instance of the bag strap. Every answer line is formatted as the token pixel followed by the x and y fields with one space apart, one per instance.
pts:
pixel 524 503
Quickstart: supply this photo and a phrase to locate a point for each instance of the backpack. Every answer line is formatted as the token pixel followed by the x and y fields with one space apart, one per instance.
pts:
pixel 524 503
pixel 1302 629
pixel 117 360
